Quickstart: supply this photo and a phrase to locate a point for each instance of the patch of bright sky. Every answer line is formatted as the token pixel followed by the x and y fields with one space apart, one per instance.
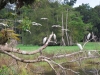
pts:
pixel 92 3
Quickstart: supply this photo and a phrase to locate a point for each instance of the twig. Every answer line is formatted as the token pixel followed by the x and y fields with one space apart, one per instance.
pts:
pixel 51 66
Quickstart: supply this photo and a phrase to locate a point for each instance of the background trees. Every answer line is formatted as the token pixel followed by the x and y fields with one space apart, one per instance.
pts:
pixel 31 18
pixel 80 20
pixel 90 15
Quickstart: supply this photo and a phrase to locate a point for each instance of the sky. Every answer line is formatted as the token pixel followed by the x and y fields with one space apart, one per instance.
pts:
pixel 92 3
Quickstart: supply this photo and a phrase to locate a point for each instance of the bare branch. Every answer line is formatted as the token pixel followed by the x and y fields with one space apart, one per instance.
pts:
pixel 20 59
pixel 9 49
pixel 51 66
pixel 75 53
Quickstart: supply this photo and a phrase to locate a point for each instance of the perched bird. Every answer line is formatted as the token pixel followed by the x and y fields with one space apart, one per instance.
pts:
pixel 28 31
pixel 80 46
pixel 88 36
pixel 44 18
pixel 56 26
pixel 89 54
pixel 54 37
pixel 3 24
pixel 44 40
pixel 6 34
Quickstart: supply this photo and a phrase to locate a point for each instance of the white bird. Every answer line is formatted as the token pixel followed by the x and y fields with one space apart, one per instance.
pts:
pixel 89 54
pixel 56 26
pixel 28 31
pixel 44 40
pixel 44 18
pixel 88 36
pixel 33 22
pixel 6 44
pixel 37 24
pixel 93 36
pixel 3 24
pixel 80 46
pixel 65 29
pixel 19 21
pixel 54 36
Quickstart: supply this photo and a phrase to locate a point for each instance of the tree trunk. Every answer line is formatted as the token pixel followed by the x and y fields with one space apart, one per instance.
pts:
pixel 63 41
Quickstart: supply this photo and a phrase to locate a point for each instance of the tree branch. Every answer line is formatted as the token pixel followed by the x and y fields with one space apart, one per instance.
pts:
pixel 9 49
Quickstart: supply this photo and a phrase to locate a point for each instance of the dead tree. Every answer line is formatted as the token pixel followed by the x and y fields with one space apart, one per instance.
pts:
pixel 6 49
pixel 74 57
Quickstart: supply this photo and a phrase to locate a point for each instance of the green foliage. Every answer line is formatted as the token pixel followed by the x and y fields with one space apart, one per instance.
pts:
pixel 55 49
pixel 3 14
pixel 26 23
pixel 53 11
pixel 23 72
pixel 91 16
pixel 85 11
pixel 70 3
pixel 81 20
pixel 4 70
pixel 77 27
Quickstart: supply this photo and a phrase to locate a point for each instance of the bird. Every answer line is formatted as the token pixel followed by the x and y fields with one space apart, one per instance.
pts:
pixel 28 31
pixel 36 24
pixel 56 26
pixel 44 18
pixel 89 54
pixel 54 37
pixel 80 46
pixel 88 36
pixel 20 21
pixel 3 24
pixel 44 40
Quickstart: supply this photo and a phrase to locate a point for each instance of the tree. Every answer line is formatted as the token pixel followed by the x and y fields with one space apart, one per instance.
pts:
pixel 96 20
pixel 85 11
pixel 70 3
pixel 20 3
pixel 90 15
pixel 35 15
pixel 77 28
pixel 77 58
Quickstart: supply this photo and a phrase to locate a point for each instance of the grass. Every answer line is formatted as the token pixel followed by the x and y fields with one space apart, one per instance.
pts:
pixel 55 49
pixel 34 68
pixel 27 47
